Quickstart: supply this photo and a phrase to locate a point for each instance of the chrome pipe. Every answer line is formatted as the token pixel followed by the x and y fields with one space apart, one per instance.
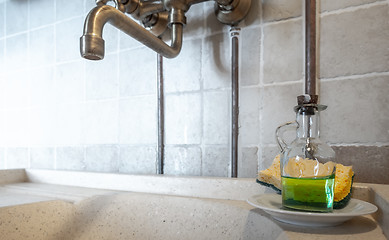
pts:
pixel 148 8
pixel 235 100
pixel 310 47
pixel 161 116
pixel 92 42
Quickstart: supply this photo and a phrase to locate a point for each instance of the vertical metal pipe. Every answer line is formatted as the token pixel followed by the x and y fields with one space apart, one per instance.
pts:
pixel 161 115
pixel 310 47
pixel 235 100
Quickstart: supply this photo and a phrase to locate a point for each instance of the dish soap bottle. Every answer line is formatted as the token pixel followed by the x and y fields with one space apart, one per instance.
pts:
pixel 307 167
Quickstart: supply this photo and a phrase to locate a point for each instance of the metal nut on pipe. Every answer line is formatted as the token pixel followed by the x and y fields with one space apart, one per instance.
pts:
pixel 177 16
pixel 178 4
pixel 232 13
pixel 92 47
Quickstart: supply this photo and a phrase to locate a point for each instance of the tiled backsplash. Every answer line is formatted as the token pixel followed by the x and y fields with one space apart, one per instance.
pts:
pixel 59 111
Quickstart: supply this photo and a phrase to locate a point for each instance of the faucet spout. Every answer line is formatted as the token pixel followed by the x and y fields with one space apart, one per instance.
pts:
pixel 92 42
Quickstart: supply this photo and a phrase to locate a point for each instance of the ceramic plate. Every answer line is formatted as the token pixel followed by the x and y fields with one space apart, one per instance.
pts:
pixel 272 204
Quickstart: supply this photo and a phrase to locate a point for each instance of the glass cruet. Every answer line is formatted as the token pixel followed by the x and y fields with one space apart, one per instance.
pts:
pixel 307 167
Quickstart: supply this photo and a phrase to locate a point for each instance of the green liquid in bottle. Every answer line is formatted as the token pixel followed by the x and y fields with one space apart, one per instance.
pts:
pixel 308 194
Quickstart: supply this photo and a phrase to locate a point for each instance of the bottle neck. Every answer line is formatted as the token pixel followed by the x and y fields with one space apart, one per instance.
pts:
pixel 308 123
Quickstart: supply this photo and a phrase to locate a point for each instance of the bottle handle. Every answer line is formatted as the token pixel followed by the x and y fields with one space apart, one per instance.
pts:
pixel 280 133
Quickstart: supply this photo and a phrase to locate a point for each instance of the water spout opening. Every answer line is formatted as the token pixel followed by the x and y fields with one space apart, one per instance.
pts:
pixel 92 47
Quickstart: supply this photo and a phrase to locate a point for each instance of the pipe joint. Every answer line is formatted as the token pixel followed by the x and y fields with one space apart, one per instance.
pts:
pixel 233 12
pixel 178 4
pixel 118 4
pixel 177 16
pixel 131 6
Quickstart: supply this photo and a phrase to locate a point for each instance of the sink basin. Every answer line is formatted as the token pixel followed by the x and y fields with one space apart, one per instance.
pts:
pixel 45 204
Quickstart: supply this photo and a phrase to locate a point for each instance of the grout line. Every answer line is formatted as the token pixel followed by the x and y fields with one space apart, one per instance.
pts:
pixel 282 83
pixel 282 21
pixel 356 76
pixel 353 8
pixel 202 104
pixel 376 144
pixel 29 85
pixel 3 125
pixel 261 98
pixel 55 85
pixel 367 144
pixel 4 20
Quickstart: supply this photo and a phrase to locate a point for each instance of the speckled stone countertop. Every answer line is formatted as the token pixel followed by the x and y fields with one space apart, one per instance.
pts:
pixel 45 204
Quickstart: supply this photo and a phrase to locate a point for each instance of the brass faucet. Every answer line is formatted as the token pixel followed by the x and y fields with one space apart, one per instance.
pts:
pixel 157 16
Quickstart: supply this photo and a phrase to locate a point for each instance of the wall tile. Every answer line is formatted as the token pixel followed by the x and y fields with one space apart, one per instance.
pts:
pixel 42 46
pixel 274 10
pixel 111 38
pixel 42 158
pixel 216 161
pixel 140 74
pixel 137 159
pixel 101 122
pixel 70 82
pixel 102 158
pixel 330 5
pixel 354 42
pixel 364 119
pixel 183 161
pixel 249 131
pixel 16 57
pixel 102 78
pixel 368 162
pixel 212 25
pixel 2 58
pixel 17 158
pixel 70 158
pixel 216 121
pixel 42 87
pixel 283 52
pixel 127 42
pixel 183 119
pixel 2 22
pixel 42 12
pixel 216 66
pixel 65 10
pixel 17 129
pixel 67 40
pixel 44 108
pixel 250 54
pixel 43 126
pixel 278 103
pixel 248 162
pixel 269 152
pixel 180 76
pixel 88 5
pixel 138 120
pixel 70 127
pixel 2 89
pixel 254 15
pixel 3 137
pixel 17 92
pixel 194 21
pixel 2 158
pixel 16 16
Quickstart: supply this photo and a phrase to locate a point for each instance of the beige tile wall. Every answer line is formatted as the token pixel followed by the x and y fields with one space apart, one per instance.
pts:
pixel 62 112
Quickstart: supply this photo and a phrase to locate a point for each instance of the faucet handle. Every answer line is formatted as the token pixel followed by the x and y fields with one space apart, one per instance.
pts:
pixel 118 4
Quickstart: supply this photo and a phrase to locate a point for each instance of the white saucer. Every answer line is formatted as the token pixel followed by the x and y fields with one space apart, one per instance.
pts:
pixel 272 204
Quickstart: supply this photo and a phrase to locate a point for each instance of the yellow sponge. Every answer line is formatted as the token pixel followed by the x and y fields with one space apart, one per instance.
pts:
pixel 272 176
